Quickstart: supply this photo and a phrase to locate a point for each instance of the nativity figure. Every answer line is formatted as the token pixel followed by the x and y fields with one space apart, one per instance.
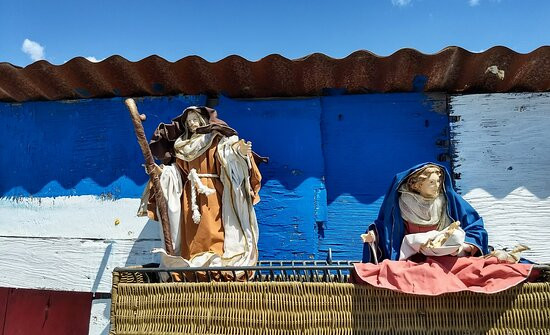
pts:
pixel 423 214
pixel 210 181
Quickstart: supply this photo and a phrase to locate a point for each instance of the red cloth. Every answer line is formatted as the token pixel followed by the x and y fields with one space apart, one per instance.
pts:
pixel 438 275
pixel 411 228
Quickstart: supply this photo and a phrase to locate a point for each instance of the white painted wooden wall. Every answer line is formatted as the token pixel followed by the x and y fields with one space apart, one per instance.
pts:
pixel 100 321
pixel 71 243
pixel 502 147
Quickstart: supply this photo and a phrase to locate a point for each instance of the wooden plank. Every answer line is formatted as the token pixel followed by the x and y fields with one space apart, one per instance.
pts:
pixel 4 297
pixel 100 317
pixel 501 144
pixel 520 217
pixel 68 203
pixel 47 312
pixel 88 217
pixel 367 139
pixel 68 264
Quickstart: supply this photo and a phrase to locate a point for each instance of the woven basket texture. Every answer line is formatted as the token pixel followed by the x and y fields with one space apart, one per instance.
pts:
pixel 322 308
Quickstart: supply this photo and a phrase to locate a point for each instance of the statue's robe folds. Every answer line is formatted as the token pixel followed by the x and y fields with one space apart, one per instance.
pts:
pixel 227 232
pixel 208 234
pixel 390 229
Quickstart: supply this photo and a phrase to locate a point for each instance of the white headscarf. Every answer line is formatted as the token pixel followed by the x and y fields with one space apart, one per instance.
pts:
pixel 422 211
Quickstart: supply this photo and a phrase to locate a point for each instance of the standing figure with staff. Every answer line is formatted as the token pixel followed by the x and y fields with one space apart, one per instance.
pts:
pixel 210 182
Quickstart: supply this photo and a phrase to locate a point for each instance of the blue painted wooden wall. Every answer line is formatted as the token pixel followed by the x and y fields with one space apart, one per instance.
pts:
pixel 331 158
pixel 366 140
pixel 289 132
pixel 82 147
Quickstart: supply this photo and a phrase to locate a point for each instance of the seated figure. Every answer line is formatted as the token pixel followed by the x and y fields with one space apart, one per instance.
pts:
pixel 421 205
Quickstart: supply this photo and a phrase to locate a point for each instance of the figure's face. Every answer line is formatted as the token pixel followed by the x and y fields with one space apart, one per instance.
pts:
pixel 430 187
pixel 193 121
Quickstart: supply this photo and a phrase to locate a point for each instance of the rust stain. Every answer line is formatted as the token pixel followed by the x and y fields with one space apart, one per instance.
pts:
pixel 452 70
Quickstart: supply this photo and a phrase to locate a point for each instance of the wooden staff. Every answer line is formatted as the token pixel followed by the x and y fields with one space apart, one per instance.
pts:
pixel 150 168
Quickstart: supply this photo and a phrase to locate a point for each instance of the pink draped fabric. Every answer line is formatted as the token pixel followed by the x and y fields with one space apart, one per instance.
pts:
pixel 438 275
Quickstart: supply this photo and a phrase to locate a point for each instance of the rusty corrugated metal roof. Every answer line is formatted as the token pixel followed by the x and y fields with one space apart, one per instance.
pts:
pixel 452 70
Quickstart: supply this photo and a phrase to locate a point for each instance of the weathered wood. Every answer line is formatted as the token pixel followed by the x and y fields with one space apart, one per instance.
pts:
pixel 68 264
pixel 99 318
pixel 68 202
pixel 150 167
pixel 354 143
pixel 367 139
pixel 46 312
pixel 501 154
pixel 87 217
pixel 72 243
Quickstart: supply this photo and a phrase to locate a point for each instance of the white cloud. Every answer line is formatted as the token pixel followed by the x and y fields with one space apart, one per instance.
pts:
pixel 93 59
pixel 474 3
pixel 33 49
pixel 400 3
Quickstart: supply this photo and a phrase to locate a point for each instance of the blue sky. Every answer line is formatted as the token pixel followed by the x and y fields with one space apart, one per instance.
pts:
pixel 61 30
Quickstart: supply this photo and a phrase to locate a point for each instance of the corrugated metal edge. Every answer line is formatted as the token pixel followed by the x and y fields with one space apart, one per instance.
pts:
pixel 452 70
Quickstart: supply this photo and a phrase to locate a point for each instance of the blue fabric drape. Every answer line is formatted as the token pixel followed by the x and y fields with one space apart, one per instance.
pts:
pixel 389 227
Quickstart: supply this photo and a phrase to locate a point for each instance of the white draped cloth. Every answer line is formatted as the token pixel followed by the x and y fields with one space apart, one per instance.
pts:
pixel 422 211
pixel 238 215
pixel 414 243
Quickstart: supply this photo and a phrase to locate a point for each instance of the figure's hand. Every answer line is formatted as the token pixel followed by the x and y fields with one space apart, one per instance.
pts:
pixel 471 249
pixel 245 148
pixel 368 237
pixel 156 171
pixel 466 249
pixel 251 192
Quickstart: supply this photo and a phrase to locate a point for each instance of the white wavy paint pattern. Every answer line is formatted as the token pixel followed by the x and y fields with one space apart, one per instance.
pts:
pixel 501 144
pixel 520 217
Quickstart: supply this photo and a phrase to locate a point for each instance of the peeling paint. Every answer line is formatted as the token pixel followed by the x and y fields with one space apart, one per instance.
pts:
pixel 501 148
pixel 494 70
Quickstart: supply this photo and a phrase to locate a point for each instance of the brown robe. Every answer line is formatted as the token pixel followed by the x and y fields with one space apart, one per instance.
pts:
pixel 208 235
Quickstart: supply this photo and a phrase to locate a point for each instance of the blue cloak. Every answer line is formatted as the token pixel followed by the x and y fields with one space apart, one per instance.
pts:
pixel 390 229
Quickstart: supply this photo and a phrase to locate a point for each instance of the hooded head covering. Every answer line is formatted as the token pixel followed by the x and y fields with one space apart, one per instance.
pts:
pixel 164 137
pixel 390 230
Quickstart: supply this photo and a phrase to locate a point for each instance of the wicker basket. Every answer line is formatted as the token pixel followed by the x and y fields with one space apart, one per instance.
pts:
pixel 276 307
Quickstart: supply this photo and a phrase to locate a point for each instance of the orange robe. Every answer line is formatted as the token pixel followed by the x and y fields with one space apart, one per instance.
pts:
pixel 208 234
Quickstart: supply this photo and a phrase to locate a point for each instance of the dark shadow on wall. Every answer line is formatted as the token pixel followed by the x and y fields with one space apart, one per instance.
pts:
pixel 148 239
